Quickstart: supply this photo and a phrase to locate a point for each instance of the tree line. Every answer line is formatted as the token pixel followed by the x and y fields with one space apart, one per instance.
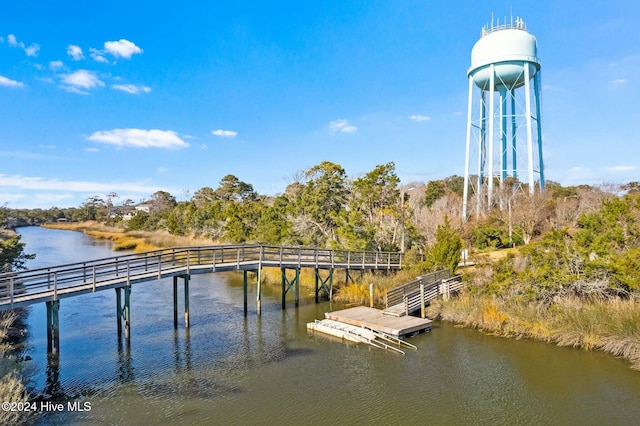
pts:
pixel 325 207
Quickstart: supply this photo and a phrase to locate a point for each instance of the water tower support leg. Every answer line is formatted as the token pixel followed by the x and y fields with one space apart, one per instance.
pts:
pixel 536 86
pixel 481 151
pixel 527 91
pixel 492 113
pixel 465 195
pixel 514 154
pixel 503 136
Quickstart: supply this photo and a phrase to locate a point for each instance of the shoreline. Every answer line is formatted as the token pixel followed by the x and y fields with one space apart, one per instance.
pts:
pixel 568 323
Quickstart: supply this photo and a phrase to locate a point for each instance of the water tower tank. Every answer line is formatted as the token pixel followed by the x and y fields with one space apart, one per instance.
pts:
pixel 509 49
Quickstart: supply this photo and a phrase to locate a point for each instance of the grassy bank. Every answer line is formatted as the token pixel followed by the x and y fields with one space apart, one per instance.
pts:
pixel 134 240
pixel 12 388
pixel 612 326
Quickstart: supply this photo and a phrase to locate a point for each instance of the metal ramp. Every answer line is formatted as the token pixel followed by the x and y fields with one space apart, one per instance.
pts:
pixel 360 335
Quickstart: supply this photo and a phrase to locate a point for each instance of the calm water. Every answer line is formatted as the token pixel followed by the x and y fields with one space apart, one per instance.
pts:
pixel 229 369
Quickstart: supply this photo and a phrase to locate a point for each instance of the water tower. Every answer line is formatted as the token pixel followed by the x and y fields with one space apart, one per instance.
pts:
pixel 504 133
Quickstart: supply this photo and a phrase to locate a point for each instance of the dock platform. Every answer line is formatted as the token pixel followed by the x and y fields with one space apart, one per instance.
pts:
pixel 374 319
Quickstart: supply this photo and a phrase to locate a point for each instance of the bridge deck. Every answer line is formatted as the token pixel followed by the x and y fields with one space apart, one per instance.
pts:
pixel 23 288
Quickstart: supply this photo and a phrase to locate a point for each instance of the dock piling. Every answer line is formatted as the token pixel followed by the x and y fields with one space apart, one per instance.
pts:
pixel 53 327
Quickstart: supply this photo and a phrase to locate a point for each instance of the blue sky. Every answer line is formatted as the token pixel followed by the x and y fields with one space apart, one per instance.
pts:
pixel 136 96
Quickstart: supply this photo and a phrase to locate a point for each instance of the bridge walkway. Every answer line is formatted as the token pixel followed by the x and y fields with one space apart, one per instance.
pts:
pixel 24 288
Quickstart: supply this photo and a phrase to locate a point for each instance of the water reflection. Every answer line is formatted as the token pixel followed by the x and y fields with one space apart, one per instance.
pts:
pixel 53 387
pixel 231 369
pixel 125 368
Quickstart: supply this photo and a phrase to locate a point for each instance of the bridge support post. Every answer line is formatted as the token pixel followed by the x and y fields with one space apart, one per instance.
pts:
pixel 175 303
pixel 244 289
pixel 186 278
pixel 123 312
pixel 287 285
pixel 186 300
pixel 259 290
pixel 53 327
pixel 347 277
pixel 322 284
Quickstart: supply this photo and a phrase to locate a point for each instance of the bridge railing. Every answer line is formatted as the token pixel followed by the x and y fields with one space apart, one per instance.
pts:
pixel 401 293
pixel 49 283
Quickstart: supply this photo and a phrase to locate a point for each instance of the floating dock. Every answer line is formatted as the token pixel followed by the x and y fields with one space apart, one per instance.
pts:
pixel 361 334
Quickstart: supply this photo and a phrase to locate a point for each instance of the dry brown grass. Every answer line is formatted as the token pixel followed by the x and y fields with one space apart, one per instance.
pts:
pixel 12 388
pixel 612 326
pixel 135 240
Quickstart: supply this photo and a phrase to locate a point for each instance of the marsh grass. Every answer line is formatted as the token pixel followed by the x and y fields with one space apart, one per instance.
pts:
pixel 612 326
pixel 137 241
pixel 11 386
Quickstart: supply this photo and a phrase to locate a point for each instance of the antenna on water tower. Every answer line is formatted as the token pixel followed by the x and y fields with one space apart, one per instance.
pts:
pixel 503 113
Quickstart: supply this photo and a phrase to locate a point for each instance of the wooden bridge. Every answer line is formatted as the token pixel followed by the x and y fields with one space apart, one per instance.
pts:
pixel 51 284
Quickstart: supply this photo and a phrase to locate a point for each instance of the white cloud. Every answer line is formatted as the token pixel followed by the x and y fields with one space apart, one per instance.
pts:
pixel 56 65
pixel 342 125
pixel 575 169
pixel 419 118
pixel 42 184
pixel 140 138
pixel 75 52
pixel 81 80
pixel 122 48
pixel 621 168
pixel 4 81
pixel 131 88
pixel 618 81
pixel 31 50
pixel 224 133
pixel 97 55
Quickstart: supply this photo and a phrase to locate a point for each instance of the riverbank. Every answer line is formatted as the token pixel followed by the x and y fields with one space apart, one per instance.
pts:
pixel 12 385
pixel 611 326
pixel 122 239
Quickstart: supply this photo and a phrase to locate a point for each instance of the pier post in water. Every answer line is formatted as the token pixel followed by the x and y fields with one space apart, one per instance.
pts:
pixel 244 290
pixel 287 285
pixel 53 327
pixel 186 278
pixel 321 283
pixel 259 290
pixel 123 311
pixel 186 300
